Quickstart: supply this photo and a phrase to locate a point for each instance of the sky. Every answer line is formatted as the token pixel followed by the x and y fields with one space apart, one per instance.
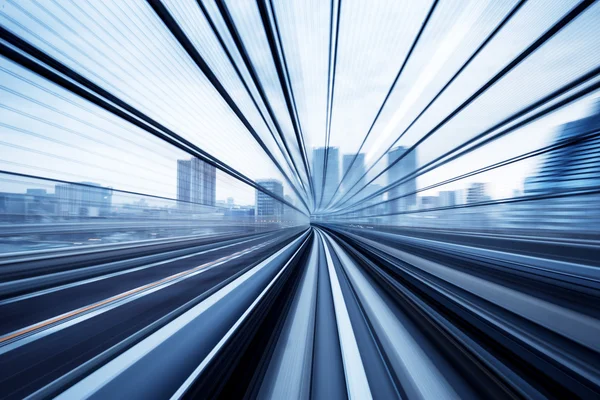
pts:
pixel 124 47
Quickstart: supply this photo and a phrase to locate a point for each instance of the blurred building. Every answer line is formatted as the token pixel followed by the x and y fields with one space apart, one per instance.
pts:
pixel 477 217
pixel 268 208
pixel 428 202
pixel 85 199
pixel 236 212
pixel 573 167
pixel 241 212
pixel 325 187
pixel 460 196
pixel 477 193
pixel 447 198
pixel 401 169
pixel 196 183
pixel 354 175
pixel 41 202
pixel 15 207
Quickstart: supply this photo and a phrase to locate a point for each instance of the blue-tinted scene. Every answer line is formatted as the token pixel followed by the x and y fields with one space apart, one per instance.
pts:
pixel 300 199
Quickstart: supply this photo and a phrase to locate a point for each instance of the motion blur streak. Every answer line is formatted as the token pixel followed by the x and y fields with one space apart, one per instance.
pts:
pixel 300 199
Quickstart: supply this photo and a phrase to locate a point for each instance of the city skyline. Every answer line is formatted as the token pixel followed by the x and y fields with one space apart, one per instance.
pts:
pixel 561 133
pixel 118 147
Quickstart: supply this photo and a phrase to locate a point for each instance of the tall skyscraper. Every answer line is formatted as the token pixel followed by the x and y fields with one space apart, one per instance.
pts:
pixel 355 174
pixel 325 188
pixel 573 167
pixel 196 182
pixel 268 208
pixel 406 166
